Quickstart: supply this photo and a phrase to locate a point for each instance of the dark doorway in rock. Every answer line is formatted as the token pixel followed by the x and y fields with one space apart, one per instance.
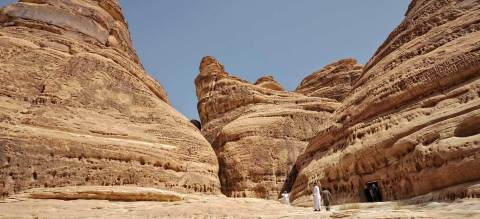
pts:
pixel 372 192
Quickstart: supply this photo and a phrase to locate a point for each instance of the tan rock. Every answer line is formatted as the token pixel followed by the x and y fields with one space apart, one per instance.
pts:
pixel 412 121
pixel 77 107
pixel 269 82
pixel 257 132
pixel 111 193
pixel 332 81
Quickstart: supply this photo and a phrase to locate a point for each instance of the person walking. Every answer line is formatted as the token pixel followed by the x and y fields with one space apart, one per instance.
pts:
pixel 316 198
pixel 326 198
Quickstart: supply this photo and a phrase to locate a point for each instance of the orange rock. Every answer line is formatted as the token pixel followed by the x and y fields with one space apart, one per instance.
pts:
pixel 412 120
pixel 257 130
pixel 77 107
pixel 269 82
pixel 333 81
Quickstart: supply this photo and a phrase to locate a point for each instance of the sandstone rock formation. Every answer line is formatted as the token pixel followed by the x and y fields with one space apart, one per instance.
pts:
pixel 412 121
pixel 111 193
pixel 334 81
pixel 77 107
pixel 257 131
pixel 269 82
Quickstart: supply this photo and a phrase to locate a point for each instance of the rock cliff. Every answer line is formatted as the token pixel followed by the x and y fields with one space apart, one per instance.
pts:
pixel 412 120
pixel 77 107
pixel 257 130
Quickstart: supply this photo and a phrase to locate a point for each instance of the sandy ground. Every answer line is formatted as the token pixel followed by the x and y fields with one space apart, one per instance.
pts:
pixel 207 206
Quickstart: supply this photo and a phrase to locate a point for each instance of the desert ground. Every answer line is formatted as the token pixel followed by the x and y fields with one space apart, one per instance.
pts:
pixel 61 203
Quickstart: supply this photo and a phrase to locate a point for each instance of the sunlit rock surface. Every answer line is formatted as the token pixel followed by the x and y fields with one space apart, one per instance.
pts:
pixel 257 130
pixel 334 81
pixel 77 107
pixel 412 120
pixel 269 82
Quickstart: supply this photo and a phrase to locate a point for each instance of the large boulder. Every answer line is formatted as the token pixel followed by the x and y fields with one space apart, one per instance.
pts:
pixel 77 107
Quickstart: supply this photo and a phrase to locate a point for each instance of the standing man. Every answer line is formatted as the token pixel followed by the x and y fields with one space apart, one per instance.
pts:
pixel 368 196
pixel 372 193
pixel 316 198
pixel 327 198
pixel 285 199
pixel 375 193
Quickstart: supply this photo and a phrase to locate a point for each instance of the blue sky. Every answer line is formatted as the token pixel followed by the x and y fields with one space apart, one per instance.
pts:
pixel 283 38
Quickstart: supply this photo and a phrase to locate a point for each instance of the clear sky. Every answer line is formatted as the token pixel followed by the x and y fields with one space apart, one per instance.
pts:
pixel 283 38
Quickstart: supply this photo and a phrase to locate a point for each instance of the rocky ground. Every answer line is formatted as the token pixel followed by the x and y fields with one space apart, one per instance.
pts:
pixel 31 204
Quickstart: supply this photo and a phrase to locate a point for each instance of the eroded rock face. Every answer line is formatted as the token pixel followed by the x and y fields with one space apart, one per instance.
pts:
pixel 269 82
pixel 412 122
pixel 334 81
pixel 110 193
pixel 257 131
pixel 77 107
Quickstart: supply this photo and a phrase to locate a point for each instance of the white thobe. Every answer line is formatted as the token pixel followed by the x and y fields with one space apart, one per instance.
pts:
pixel 285 199
pixel 316 198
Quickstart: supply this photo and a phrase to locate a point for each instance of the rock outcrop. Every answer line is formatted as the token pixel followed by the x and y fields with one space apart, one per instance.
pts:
pixel 334 81
pixel 111 193
pixel 257 131
pixel 77 107
pixel 412 120
pixel 269 82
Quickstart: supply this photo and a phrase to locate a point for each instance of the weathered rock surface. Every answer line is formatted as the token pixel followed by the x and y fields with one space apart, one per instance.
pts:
pixel 111 193
pixel 77 107
pixel 257 131
pixel 269 82
pixel 334 81
pixel 412 122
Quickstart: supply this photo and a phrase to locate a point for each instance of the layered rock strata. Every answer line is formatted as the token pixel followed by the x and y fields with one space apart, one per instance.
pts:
pixel 77 107
pixel 269 82
pixel 257 131
pixel 334 81
pixel 110 193
pixel 412 121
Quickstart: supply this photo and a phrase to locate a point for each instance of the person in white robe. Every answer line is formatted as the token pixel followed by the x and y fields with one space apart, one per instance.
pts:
pixel 316 198
pixel 285 199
